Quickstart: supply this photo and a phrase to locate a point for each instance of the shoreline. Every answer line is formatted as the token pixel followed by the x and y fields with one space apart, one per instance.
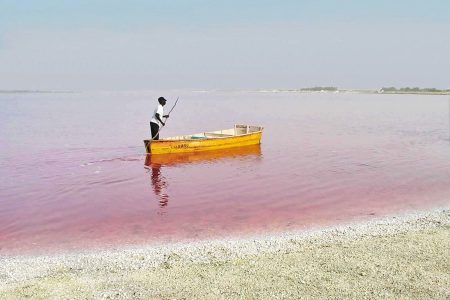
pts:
pixel 274 90
pixel 305 259
pixel 370 92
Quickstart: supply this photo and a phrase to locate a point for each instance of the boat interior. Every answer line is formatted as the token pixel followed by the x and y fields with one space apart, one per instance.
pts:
pixel 236 131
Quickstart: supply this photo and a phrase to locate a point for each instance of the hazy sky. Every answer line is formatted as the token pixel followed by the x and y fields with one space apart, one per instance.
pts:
pixel 169 44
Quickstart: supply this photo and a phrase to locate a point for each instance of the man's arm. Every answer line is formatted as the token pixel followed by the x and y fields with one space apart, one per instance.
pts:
pixel 159 119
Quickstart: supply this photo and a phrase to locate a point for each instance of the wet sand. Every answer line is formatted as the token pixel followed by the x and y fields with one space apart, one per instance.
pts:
pixel 404 256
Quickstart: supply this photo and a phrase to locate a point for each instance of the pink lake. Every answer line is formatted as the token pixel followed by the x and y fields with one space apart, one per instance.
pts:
pixel 74 173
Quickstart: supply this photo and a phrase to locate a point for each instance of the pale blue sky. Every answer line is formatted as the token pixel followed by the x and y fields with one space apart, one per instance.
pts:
pixel 123 45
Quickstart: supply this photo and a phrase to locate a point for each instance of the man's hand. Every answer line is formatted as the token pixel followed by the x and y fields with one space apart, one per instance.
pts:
pixel 163 124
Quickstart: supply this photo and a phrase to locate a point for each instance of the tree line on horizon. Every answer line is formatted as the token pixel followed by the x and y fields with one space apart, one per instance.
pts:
pixel 320 88
pixel 414 89
pixel 382 90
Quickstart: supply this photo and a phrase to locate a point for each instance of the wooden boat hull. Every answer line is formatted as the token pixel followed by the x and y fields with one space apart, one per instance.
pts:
pixel 240 136
pixel 173 159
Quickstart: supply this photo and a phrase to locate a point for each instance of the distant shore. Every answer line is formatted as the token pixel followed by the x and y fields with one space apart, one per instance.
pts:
pixel 32 92
pixel 375 92
pixel 354 91
pixel 403 256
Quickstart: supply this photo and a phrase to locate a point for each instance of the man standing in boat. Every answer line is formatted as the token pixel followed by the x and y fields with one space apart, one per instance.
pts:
pixel 156 122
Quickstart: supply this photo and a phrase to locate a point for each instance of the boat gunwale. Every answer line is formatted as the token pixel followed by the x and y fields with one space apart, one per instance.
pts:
pixel 204 139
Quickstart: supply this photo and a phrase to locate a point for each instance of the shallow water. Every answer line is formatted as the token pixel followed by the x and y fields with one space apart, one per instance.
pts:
pixel 74 172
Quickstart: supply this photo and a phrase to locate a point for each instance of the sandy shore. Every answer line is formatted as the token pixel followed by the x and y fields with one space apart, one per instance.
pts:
pixel 405 256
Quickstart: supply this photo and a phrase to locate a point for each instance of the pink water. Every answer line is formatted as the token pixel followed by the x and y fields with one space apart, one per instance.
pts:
pixel 74 176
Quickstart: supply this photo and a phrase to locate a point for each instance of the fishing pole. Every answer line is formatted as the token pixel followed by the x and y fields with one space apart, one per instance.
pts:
pixel 173 106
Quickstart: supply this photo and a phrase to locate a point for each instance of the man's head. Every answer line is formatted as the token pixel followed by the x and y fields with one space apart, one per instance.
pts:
pixel 162 101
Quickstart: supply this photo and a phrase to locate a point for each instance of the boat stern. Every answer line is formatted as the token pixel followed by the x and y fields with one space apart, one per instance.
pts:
pixel 147 144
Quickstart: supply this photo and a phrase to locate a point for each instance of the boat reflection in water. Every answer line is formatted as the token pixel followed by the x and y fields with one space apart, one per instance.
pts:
pixel 156 162
pixel 159 185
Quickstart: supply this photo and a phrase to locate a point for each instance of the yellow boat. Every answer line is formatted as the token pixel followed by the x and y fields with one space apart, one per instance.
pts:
pixel 239 136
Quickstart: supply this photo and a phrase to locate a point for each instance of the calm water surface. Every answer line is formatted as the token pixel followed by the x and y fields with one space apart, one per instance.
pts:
pixel 74 174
